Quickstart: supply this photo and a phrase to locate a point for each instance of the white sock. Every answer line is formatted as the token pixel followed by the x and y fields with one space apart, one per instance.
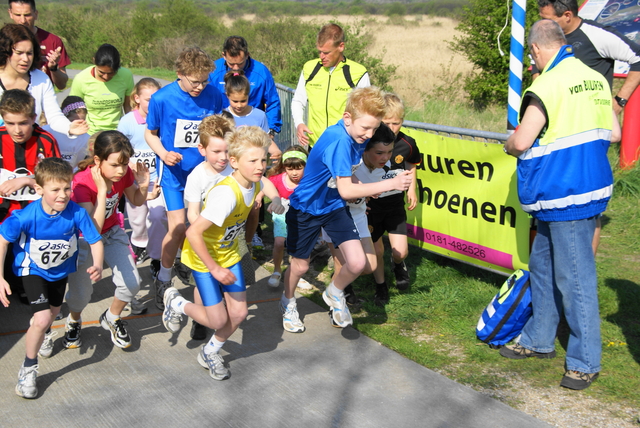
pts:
pixel 111 317
pixel 164 274
pixel 70 319
pixel 178 303
pixel 285 301
pixel 213 346
pixel 334 290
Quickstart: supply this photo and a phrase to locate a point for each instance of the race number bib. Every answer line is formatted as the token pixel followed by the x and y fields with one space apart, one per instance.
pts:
pixel 232 232
pixel 187 134
pixel 50 254
pixel 112 203
pixel 24 194
pixel 147 157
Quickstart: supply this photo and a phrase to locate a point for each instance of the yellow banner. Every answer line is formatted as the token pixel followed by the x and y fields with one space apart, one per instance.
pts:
pixel 468 206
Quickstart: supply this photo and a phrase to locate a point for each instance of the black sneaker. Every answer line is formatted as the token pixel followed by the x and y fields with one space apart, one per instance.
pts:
pixel 578 380
pixel 119 335
pixel 140 254
pixel 402 275
pixel 182 271
pixel 517 352
pixel 154 267
pixel 72 337
pixel 198 331
pixel 350 295
pixel 381 297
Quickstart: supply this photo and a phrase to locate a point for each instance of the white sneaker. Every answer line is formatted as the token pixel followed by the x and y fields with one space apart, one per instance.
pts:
pixel 170 318
pixel 26 386
pixel 46 349
pixel 256 242
pixel 214 363
pixel 339 311
pixel 303 284
pixel 274 280
pixel 290 318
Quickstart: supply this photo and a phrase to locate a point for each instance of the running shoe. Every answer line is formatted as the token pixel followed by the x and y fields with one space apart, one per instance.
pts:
pixel 140 254
pixel 214 363
pixel 402 275
pixel 46 349
pixel 72 337
pixel 303 284
pixel 274 280
pixel 154 267
pixel 161 287
pixel 182 272
pixel 381 297
pixel 290 318
pixel 119 335
pixel 339 311
pixel 137 307
pixel 198 331
pixel 256 242
pixel 170 318
pixel 26 386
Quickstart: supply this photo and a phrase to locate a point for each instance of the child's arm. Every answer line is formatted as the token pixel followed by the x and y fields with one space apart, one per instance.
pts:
pixel 98 211
pixel 269 189
pixel 137 195
pixel 97 253
pixel 193 211
pixel 5 288
pixel 10 186
pixel 350 190
pixel 152 139
pixel 194 235
pixel 412 198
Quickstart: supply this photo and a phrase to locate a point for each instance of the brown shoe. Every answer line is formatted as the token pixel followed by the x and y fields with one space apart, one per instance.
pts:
pixel 517 352
pixel 578 380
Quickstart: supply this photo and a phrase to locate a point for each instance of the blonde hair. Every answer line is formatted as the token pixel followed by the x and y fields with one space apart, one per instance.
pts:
pixel 147 82
pixel 363 101
pixel 214 126
pixel 245 138
pixel 193 61
pixel 395 106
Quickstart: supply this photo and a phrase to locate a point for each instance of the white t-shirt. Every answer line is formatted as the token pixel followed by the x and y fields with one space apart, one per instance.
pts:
pixel 200 180
pixel 73 148
pixel 225 203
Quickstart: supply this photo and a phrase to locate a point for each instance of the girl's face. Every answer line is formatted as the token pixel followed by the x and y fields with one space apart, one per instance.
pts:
pixel 216 153
pixel 22 57
pixel 378 155
pixel 295 175
pixel 250 166
pixel 239 103
pixel 112 169
pixel 104 73
pixel 142 99
pixel 77 114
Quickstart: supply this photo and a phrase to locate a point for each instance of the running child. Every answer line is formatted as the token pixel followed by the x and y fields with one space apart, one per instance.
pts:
pixel 175 112
pixel 73 148
pixel 238 89
pixel 211 249
pixel 148 221
pixel 212 170
pixel 98 187
pixel 387 213
pixel 285 176
pixel 376 154
pixel 45 249
pixel 319 202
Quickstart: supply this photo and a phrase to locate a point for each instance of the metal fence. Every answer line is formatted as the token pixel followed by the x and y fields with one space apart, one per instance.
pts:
pixel 287 136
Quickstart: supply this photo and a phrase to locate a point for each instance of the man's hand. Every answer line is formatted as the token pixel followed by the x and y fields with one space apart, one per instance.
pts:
pixel 302 132
pixel 53 57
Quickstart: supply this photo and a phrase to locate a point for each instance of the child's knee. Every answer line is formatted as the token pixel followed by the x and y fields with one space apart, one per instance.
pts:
pixel 238 315
pixel 41 320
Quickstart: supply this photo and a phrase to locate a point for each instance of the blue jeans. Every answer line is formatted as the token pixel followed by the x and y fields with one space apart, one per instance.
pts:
pixel 563 279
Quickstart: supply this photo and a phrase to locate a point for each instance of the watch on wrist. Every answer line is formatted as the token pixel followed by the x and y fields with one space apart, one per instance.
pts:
pixel 54 68
pixel 621 101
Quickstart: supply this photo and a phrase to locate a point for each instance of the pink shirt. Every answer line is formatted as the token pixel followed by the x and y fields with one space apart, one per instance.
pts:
pixel 279 181
pixel 83 189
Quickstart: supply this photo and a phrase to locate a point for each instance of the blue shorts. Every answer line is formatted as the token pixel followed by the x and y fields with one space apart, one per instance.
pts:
pixel 211 290
pixel 173 199
pixel 303 230
pixel 172 187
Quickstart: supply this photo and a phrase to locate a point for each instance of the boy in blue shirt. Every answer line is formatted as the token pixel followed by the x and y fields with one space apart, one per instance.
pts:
pixel 319 202
pixel 45 237
pixel 175 112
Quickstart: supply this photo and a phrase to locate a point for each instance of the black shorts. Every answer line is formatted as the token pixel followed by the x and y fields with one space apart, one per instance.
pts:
pixel 387 216
pixel 42 293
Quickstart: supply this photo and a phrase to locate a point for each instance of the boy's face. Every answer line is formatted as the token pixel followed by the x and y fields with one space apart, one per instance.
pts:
pixel 362 128
pixel 394 123
pixel 55 195
pixel 216 153
pixel 193 84
pixel 250 165
pixel 19 126
pixel 378 155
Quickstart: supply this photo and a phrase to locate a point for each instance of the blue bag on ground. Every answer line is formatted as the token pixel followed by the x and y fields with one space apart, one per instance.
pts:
pixel 508 312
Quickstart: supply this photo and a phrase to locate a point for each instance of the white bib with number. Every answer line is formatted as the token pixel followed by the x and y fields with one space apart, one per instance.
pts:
pixel 49 254
pixel 187 134
pixel 24 194
pixel 147 157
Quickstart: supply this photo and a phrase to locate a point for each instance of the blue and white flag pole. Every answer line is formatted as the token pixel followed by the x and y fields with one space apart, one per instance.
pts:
pixel 518 15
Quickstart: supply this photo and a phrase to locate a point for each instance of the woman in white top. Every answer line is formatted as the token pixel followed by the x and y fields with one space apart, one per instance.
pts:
pixel 19 56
